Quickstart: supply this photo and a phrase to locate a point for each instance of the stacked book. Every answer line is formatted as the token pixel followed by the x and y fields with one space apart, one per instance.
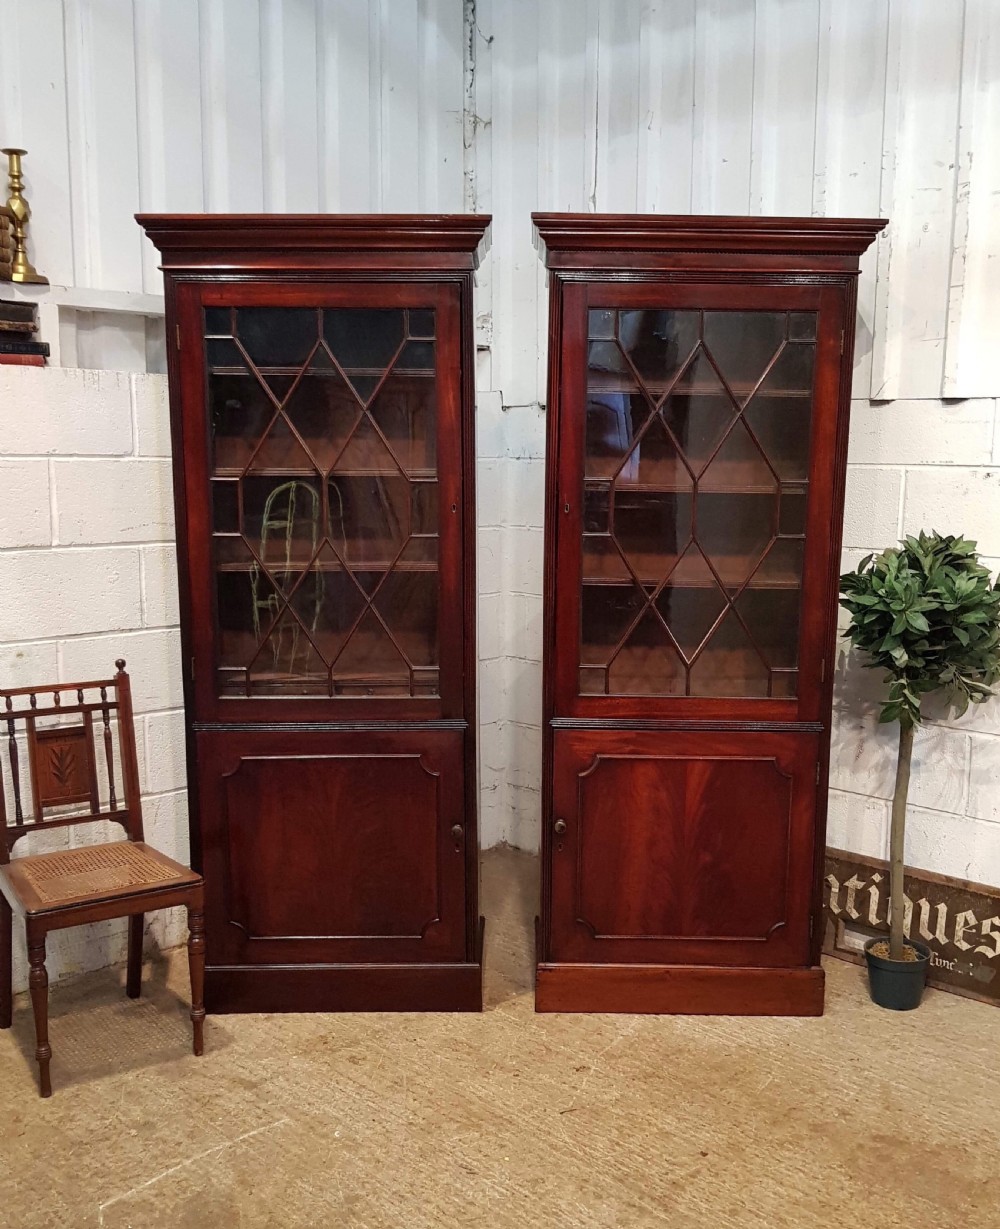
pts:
pixel 19 344
pixel 6 244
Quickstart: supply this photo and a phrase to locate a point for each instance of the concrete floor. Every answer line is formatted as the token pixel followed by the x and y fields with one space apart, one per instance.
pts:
pixel 503 1120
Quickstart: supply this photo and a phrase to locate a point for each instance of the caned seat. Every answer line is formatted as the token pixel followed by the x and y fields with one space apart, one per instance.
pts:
pixel 72 784
pixel 51 881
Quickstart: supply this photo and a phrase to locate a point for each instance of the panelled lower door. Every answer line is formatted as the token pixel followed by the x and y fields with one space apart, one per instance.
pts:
pixel 682 848
pixel 694 488
pixel 323 465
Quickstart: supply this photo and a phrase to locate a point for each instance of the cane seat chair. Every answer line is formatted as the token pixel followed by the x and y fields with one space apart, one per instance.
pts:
pixel 61 742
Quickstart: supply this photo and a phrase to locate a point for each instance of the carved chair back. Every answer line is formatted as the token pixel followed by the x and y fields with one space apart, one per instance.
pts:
pixel 77 744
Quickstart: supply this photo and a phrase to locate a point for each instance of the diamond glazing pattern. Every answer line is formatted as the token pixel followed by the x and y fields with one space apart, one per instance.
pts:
pixel 695 492
pixel 325 500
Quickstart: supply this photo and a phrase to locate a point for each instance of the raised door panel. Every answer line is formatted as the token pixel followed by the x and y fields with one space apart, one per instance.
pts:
pixel 327 848
pixel 323 441
pixel 697 438
pixel 682 848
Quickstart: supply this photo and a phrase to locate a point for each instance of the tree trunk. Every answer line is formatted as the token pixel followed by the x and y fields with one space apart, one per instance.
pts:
pixel 896 842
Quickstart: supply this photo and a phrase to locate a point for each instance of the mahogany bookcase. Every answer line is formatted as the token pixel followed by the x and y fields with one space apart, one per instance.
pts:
pixel 321 398
pixel 699 392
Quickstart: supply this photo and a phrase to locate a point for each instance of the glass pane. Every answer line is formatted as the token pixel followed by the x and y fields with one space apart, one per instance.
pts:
pixel 322 409
pixel 743 344
pixel 404 412
pixel 792 371
pixel 614 423
pixel 802 326
pixel 648 663
pixel 652 530
pixel 287 659
pixel 324 507
pixel 691 603
pixel 218 321
pixel 608 613
pixel 239 411
pixel 225 506
pixel 601 323
pixel 603 559
pixel 771 617
pixel 698 423
pixel 369 518
pixel 697 450
pixel 420 323
pixel 371 662
pixel 734 533
pixel 731 664
pixel 658 344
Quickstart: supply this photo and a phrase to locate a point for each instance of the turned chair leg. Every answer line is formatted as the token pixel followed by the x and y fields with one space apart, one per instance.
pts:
pixel 38 981
pixel 6 964
pixel 196 962
pixel 133 979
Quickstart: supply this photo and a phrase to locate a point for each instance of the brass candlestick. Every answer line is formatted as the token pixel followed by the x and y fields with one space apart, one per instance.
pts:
pixel 22 268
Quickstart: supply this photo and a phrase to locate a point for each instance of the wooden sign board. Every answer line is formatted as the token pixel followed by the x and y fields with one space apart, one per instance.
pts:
pixel 959 921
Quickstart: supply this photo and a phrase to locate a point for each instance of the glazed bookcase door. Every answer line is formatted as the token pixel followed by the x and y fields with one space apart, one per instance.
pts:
pixel 694 488
pixel 329 484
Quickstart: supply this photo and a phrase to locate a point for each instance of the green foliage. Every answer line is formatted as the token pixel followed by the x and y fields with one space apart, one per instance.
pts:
pixel 927 613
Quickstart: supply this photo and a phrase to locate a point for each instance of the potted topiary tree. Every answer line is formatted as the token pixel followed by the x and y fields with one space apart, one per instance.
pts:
pixel 927 614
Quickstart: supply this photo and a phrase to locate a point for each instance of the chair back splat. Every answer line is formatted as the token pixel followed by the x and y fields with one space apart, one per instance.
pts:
pixel 71 758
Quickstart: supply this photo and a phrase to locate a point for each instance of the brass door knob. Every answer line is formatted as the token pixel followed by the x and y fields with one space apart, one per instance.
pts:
pixel 559 827
pixel 458 832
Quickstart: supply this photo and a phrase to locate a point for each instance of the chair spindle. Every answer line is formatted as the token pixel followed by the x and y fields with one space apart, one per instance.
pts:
pixel 15 769
pixel 108 751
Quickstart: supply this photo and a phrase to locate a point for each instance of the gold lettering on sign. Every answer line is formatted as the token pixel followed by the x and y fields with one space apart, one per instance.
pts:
pixel 938 933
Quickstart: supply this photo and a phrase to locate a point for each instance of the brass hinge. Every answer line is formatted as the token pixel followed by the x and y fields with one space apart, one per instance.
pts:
pixel 817 774
pixel 822 670
pixel 178 335
pixel 191 669
pixel 841 341
pixel 812 924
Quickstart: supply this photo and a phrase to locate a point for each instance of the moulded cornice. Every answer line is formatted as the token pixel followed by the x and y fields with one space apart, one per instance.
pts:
pixel 185 239
pixel 653 233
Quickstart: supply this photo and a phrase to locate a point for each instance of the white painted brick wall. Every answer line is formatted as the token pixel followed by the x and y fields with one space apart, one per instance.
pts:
pixel 87 574
pixel 66 412
pixel 919 464
pixel 510 495
pixel 97 502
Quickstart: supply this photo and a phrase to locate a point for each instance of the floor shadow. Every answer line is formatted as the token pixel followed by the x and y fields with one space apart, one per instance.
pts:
pixel 97 1031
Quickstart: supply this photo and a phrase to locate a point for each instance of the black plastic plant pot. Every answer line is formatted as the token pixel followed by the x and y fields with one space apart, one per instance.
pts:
pixel 897 984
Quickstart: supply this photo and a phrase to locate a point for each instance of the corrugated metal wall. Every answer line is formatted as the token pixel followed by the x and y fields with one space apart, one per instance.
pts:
pixel 759 106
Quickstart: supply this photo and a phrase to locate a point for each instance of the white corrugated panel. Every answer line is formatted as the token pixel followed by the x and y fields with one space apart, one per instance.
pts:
pixel 760 106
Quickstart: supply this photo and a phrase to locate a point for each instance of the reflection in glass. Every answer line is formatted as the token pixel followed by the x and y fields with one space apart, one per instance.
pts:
pixel 324 500
pixel 696 469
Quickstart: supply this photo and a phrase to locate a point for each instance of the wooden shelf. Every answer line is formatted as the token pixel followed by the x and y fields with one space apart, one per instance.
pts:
pixel 295 568
pixel 278 471
pixel 417 373
pixel 612 382
pixel 727 478
pixel 608 573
